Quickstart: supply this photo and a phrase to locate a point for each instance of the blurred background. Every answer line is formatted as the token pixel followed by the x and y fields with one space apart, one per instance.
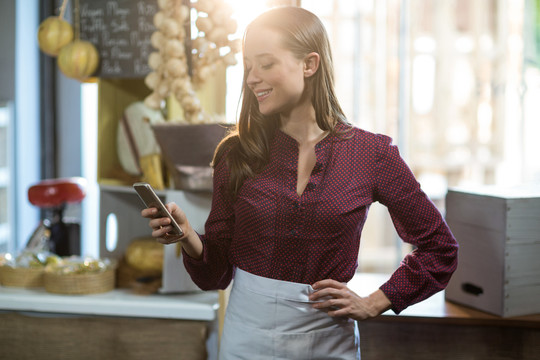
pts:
pixel 455 83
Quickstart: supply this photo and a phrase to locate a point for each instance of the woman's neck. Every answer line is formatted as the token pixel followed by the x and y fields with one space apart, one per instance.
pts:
pixel 302 126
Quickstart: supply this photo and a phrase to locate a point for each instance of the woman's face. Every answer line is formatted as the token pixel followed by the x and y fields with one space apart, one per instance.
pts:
pixel 274 74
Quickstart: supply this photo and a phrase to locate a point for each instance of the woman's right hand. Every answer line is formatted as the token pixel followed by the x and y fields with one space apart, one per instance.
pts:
pixel 162 229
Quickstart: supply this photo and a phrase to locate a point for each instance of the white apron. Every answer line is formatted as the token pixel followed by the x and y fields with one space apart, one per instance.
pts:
pixel 273 319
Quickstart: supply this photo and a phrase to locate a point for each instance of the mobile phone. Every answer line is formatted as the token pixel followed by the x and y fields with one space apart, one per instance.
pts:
pixel 150 199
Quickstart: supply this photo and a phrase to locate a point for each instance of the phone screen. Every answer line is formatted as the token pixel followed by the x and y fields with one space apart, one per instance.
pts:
pixel 151 199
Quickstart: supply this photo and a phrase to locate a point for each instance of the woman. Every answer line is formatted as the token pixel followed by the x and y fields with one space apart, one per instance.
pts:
pixel 292 187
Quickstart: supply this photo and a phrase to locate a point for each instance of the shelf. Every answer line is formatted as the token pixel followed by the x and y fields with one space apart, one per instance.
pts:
pixel 192 306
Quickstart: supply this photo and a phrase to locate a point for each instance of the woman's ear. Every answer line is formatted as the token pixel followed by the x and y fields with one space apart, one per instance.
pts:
pixel 311 64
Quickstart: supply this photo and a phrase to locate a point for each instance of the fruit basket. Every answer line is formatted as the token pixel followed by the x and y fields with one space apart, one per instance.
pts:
pixel 25 270
pixel 79 284
pixel 188 151
pixel 21 276
pixel 80 277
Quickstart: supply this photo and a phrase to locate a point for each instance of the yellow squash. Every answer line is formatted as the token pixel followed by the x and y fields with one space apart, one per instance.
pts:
pixel 78 60
pixel 145 254
pixel 53 34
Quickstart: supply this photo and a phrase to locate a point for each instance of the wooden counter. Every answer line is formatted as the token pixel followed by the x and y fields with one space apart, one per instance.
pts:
pixel 116 325
pixel 439 329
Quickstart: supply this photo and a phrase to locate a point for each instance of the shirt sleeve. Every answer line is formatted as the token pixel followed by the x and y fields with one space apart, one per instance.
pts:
pixel 428 268
pixel 214 271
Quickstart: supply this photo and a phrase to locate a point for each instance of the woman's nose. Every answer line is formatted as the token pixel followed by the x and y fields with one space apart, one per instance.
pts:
pixel 252 78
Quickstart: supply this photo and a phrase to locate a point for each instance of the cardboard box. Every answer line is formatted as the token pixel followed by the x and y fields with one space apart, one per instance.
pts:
pixel 498 230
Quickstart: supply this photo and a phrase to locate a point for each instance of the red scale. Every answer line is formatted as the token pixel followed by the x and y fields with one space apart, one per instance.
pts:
pixel 58 234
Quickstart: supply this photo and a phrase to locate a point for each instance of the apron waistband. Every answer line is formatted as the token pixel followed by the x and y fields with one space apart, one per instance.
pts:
pixel 285 290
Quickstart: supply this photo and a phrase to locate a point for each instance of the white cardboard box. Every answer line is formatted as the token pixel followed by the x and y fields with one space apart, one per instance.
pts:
pixel 498 230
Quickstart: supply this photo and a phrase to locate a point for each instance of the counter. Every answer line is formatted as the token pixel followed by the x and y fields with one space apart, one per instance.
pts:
pixel 119 325
pixel 439 329
pixel 196 306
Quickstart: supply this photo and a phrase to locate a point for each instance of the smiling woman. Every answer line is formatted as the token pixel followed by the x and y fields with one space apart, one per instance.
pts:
pixel 291 189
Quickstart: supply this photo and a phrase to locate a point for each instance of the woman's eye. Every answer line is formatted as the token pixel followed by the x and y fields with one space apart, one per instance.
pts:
pixel 267 66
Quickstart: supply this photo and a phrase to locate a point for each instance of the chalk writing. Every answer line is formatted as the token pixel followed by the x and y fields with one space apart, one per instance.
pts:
pixel 120 30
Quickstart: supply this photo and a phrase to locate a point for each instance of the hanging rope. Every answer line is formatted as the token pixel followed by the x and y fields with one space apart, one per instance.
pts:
pixel 63 9
pixel 77 20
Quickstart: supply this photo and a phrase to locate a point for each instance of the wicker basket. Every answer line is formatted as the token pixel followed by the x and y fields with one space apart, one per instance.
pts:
pixel 80 284
pixel 21 277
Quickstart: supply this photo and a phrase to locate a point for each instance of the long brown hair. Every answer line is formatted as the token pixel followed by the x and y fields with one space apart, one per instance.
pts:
pixel 248 145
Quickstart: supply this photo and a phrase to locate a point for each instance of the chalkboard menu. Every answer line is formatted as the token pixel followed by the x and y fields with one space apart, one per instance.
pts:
pixel 120 30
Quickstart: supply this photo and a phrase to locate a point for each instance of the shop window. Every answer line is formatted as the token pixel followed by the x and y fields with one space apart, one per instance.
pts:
pixel 6 202
pixel 445 79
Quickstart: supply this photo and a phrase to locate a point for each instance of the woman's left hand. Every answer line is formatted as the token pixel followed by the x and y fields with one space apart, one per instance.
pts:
pixel 340 301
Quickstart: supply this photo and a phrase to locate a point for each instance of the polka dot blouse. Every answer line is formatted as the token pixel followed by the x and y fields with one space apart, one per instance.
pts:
pixel 270 231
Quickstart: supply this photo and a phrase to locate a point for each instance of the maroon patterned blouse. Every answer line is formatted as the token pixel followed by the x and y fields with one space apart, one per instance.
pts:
pixel 270 231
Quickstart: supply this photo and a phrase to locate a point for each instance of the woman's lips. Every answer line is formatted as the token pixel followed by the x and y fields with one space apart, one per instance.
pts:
pixel 262 94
